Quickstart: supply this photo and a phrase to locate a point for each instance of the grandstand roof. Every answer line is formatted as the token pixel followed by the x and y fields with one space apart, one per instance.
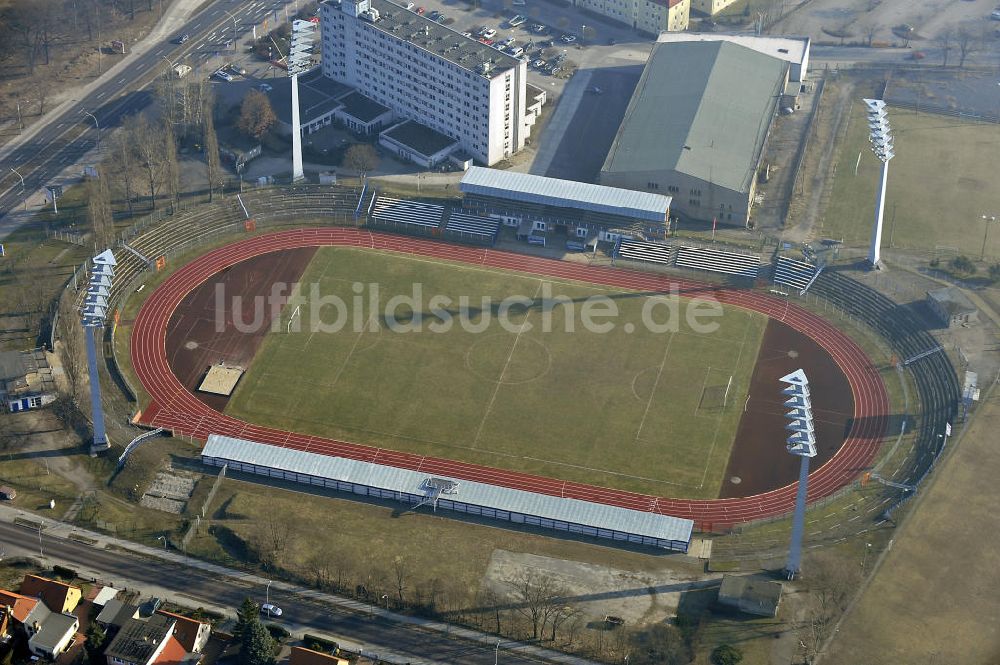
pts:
pixel 565 193
pixel 391 478
pixel 701 108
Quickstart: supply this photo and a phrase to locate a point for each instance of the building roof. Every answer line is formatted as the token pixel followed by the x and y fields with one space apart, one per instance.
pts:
pixel 12 365
pixel 103 595
pixel 391 478
pixel 138 639
pixel 789 49
pixel 54 630
pixel 363 108
pixel 21 606
pixel 440 40
pixel 52 592
pixel 303 656
pixel 318 96
pixel 421 138
pixel 116 613
pixel 700 108
pixel 185 630
pixel 952 301
pixel 174 653
pixel 565 193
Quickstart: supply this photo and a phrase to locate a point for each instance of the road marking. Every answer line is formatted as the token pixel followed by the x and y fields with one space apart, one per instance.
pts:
pixel 100 95
pixel 160 52
pixel 121 80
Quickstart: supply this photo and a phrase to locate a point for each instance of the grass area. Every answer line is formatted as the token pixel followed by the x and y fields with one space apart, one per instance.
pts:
pixel 926 598
pixel 36 485
pixel 636 410
pixel 941 182
pixel 358 541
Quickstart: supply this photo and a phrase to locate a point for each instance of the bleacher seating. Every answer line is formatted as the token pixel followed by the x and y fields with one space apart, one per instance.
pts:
pixel 472 227
pixel 414 215
pixel 650 252
pixel 793 273
pixel 718 260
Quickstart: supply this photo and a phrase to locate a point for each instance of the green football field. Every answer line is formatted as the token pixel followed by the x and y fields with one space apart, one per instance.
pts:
pixel 631 408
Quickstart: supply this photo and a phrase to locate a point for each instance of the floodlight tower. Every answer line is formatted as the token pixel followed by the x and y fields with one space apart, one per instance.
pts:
pixel 802 442
pixel 299 61
pixel 881 140
pixel 94 313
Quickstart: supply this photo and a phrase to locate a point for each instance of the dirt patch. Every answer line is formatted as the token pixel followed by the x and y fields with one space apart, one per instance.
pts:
pixel 202 331
pixel 758 463
pixel 169 491
pixel 637 597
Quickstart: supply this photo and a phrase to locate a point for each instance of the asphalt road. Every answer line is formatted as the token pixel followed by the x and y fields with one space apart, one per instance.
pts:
pixel 66 139
pixel 198 586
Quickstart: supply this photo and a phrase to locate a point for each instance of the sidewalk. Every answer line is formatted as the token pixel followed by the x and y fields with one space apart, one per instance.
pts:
pixel 59 530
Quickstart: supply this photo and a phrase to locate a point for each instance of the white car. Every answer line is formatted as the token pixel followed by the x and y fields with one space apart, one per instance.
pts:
pixel 507 42
pixel 270 610
pixel 489 33
pixel 224 76
pixel 518 3
pixel 568 39
pixel 516 21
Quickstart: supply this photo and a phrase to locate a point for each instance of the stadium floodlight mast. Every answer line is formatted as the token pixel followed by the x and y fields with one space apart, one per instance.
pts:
pixel 881 140
pixel 93 316
pixel 299 61
pixel 801 442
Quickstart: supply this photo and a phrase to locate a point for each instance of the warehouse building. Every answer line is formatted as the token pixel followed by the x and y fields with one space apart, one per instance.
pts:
pixel 429 73
pixel 697 127
pixel 473 498
pixel 539 205
pixel 793 50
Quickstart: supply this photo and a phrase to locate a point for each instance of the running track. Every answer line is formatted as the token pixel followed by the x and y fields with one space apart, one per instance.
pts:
pixel 174 408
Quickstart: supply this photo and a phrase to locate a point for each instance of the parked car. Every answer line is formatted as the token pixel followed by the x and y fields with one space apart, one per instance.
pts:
pixel 421 10
pixel 489 33
pixel 516 21
pixel 434 15
pixel 410 6
pixel 995 15
pixel 265 87
pixel 467 34
pixel 182 38
pixel 537 27
pixel 236 69
pixel 270 610
pixel 223 76
pixel 568 38
pixel 555 70
pixel 518 3
pixel 538 64
pixel 484 40
pixel 507 42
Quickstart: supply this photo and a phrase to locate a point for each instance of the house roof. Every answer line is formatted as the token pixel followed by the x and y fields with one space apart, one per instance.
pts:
pixel 52 592
pixel 303 656
pixel 137 639
pixel 364 109
pixel 54 630
pixel 174 653
pixel 703 109
pixel 185 630
pixel 116 613
pixel 21 606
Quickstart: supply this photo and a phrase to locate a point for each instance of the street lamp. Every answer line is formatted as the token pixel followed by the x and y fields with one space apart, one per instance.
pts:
pixel 234 27
pixel 496 654
pixel 881 140
pixel 988 219
pixel 19 176
pixel 97 125
pixel 864 559
pixel 164 539
pixel 385 597
pixel 801 442
pixel 267 592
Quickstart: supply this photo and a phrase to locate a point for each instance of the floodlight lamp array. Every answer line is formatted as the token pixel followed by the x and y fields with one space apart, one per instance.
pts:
pixel 802 441
pixel 880 132
pixel 301 49
pixel 95 303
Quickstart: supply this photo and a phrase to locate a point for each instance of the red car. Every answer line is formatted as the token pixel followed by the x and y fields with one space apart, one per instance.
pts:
pixel 421 10
pixel 488 42
pixel 314 19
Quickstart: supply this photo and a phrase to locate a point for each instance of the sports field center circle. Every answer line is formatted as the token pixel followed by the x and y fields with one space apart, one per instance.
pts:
pixel 174 408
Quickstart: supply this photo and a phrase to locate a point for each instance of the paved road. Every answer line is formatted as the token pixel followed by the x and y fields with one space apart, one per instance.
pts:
pixel 194 586
pixel 69 137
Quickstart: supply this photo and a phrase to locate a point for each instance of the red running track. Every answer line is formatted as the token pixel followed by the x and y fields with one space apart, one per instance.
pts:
pixel 174 408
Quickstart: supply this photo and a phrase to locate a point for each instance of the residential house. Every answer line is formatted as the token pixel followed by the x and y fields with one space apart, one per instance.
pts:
pixel 191 633
pixel 140 642
pixel 303 656
pixel 48 633
pixel 58 596
pixel 115 614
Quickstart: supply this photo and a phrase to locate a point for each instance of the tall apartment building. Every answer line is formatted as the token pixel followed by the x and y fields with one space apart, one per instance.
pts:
pixel 649 16
pixel 429 73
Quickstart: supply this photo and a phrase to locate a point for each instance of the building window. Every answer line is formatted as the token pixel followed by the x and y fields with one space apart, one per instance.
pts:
pixel 694 202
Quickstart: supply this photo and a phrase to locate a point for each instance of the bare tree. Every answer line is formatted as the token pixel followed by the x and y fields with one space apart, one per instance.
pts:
pixel 148 145
pixel 945 41
pixel 361 157
pixel 534 596
pixel 99 209
pixel 123 163
pixel 871 29
pixel 213 167
pixel 401 573
pixel 71 350
pixel 830 584
pixel 967 43
pixel 171 167
pixel 319 564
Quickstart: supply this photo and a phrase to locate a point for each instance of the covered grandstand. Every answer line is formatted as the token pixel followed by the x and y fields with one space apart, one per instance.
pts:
pixel 414 487
pixel 581 209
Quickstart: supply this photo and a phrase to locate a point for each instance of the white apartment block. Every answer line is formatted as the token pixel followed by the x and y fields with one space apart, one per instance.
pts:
pixel 649 16
pixel 429 73
pixel 710 7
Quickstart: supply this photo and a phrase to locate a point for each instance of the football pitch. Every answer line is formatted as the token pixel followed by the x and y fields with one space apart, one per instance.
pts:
pixel 435 358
